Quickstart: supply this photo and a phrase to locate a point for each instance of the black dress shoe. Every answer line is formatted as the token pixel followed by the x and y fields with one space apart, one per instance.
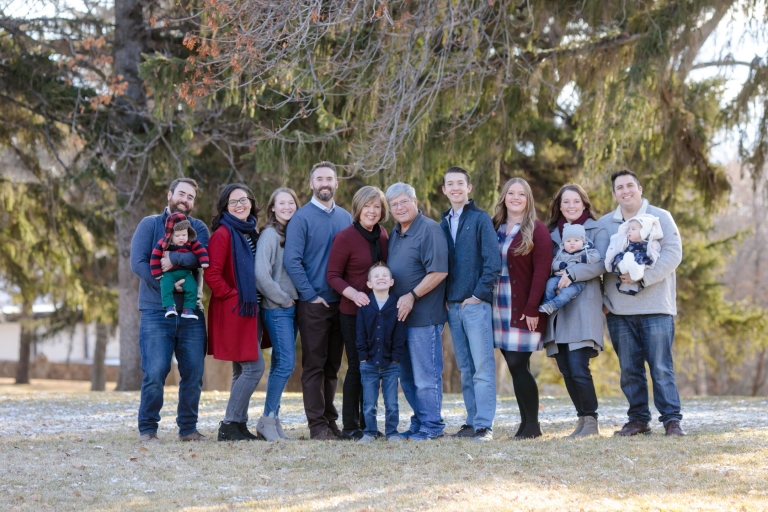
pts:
pixel 351 435
pixel 632 428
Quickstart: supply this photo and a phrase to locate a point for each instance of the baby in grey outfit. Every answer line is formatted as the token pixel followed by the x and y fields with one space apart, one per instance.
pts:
pixel 575 248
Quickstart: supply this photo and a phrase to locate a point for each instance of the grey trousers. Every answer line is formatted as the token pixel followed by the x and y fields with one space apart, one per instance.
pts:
pixel 245 377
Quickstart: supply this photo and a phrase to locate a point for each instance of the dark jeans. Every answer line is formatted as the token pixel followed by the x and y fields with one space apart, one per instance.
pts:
pixel 638 339
pixel 371 377
pixel 525 387
pixel 352 400
pixel 159 339
pixel 574 365
pixel 321 350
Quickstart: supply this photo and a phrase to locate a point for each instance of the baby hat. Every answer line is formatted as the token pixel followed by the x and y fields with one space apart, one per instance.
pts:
pixel 651 228
pixel 574 231
pixel 178 222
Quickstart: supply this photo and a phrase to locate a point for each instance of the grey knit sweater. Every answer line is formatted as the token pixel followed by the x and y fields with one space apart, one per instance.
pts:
pixel 272 281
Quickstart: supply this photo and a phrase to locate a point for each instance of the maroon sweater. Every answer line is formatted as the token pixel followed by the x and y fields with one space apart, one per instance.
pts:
pixel 349 262
pixel 528 276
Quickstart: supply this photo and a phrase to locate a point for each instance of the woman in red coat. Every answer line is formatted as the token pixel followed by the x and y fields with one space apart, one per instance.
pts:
pixel 526 251
pixel 233 331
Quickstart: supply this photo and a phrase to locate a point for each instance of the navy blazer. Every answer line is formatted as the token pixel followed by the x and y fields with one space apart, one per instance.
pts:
pixel 380 336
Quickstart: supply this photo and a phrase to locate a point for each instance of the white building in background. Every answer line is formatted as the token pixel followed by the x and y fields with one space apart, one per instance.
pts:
pixel 75 346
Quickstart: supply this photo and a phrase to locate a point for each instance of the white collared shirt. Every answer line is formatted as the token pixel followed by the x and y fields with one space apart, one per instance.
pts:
pixel 453 222
pixel 320 205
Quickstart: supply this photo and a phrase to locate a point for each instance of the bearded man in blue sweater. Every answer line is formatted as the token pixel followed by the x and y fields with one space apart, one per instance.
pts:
pixel 308 240
pixel 160 337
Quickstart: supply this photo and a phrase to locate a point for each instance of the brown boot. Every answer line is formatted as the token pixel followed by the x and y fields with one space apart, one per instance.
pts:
pixel 673 428
pixel 327 435
pixel 632 428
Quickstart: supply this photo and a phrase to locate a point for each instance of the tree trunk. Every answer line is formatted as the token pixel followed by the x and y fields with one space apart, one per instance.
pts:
pixel 130 374
pixel 757 381
pixel 130 42
pixel 98 374
pixel 26 339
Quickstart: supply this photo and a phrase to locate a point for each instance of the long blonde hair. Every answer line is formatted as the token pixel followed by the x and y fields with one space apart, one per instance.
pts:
pixel 529 216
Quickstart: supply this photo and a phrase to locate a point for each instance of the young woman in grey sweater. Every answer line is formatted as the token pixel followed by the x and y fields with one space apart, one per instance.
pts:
pixel 277 308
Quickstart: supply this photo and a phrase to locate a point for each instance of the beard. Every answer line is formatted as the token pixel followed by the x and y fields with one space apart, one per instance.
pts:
pixel 173 206
pixel 323 194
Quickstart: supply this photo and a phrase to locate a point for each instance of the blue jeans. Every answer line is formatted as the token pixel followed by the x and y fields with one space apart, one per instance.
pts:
pixel 472 334
pixel 282 328
pixel 371 376
pixel 159 339
pixel 646 338
pixel 566 294
pixel 421 377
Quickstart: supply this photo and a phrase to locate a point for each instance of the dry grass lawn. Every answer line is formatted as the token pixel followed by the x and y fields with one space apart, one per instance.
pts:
pixel 64 448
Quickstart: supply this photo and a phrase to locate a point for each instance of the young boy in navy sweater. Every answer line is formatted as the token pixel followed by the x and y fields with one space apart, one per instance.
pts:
pixel 380 345
pixel 181 237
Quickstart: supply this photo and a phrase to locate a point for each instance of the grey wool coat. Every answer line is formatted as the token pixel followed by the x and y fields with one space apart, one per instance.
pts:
pixel 580 322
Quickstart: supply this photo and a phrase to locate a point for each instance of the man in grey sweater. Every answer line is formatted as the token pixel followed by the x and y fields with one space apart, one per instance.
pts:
pixel 642 326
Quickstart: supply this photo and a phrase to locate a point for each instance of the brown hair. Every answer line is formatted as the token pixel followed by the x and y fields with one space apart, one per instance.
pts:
pixel 458 170
pixel 529 216
pixel 188 181
pixel 221 204
pixel 272 221
pixel 363 196
pixel 324 163
pixel 623 172
pixel 554 206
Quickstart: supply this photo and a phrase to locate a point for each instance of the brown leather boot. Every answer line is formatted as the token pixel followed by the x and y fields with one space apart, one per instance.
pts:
pixel 672 428
pixel 632 428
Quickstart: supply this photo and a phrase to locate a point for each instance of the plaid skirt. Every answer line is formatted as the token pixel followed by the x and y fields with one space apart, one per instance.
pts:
pixel 504 336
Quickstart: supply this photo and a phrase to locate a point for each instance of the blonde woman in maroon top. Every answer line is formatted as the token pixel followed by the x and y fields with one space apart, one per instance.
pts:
pixel 526 252
pixel 354 250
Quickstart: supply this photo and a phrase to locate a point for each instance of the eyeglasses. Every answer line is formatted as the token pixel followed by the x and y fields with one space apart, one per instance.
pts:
pixel 397 205
pixel 243 201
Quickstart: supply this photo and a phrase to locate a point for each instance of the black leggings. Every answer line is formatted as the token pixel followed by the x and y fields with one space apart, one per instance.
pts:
pixel 526 389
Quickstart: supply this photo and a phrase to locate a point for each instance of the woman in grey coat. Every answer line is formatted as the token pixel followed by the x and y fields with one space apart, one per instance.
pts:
pixel 574 333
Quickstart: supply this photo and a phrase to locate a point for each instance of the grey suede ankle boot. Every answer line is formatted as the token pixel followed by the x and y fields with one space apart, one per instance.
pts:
pixel 267 429
pixel 280 432
pixel 579 426
pixel 590 427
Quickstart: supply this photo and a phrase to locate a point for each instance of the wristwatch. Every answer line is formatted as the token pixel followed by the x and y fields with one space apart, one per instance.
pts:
pixel 415 297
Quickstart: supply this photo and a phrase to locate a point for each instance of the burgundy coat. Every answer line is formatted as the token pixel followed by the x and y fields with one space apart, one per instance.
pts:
pixel 528 276
pixel 349 263
pixel 231 337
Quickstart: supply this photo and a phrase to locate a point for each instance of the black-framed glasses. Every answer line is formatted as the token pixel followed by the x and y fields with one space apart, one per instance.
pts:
pixel 243 201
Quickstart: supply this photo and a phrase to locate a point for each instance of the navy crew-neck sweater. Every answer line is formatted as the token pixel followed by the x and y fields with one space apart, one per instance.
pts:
pixel 308 239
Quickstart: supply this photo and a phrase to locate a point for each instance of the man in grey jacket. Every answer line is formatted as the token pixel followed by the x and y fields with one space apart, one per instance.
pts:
pixel 642 326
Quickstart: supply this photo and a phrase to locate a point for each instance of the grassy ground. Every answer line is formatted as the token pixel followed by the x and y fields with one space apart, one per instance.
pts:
pixel 64 448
